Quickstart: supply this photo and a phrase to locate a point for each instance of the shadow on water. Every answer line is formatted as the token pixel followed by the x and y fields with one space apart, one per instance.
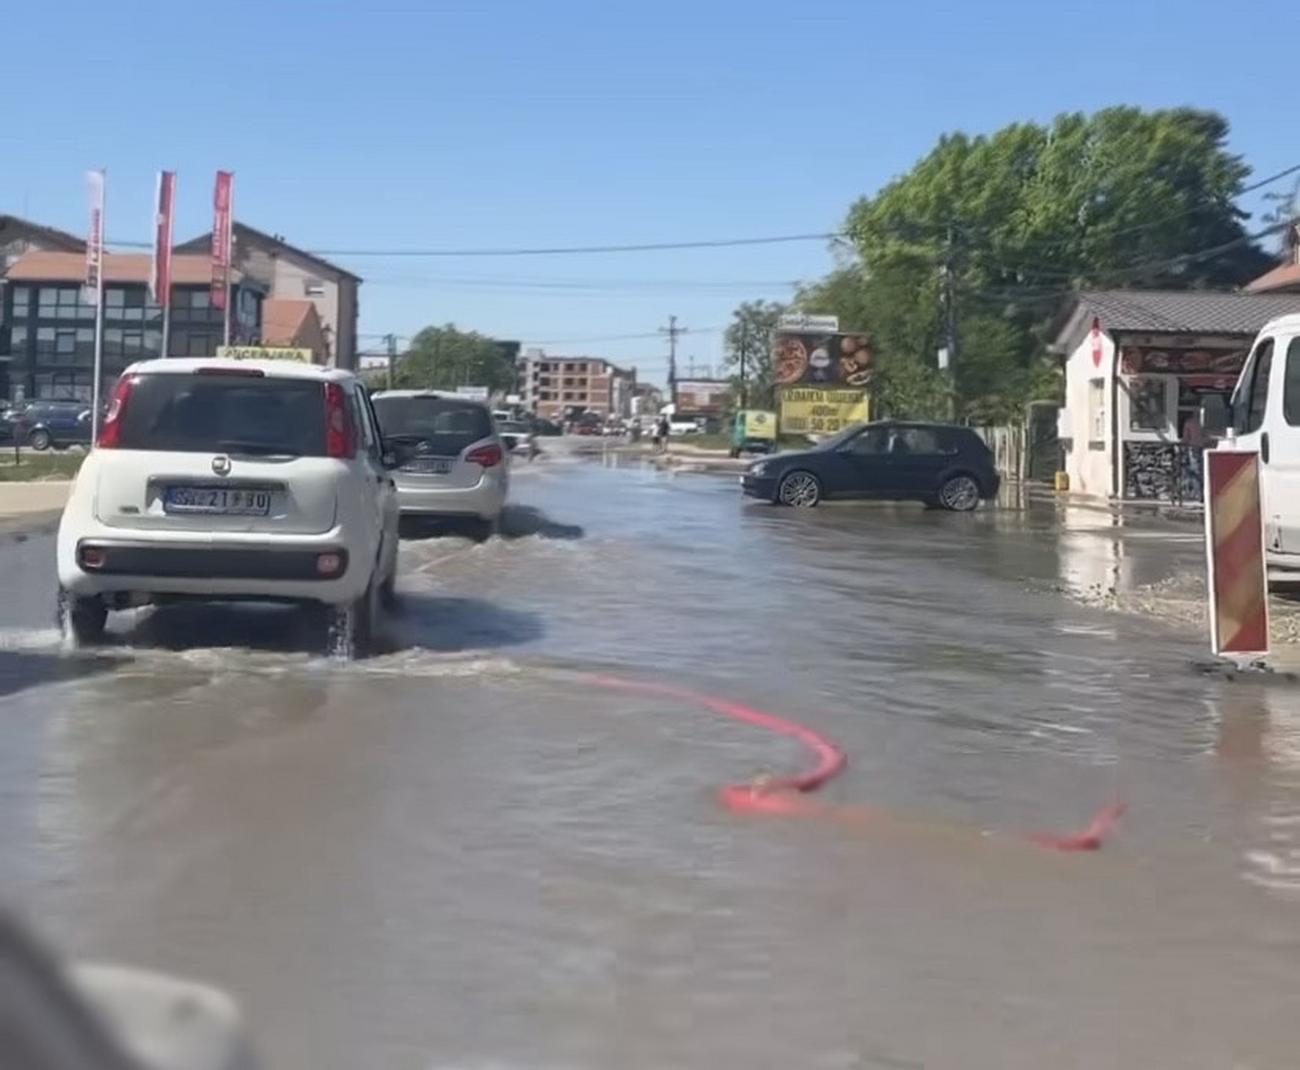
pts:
pixel 420 620
pixel 517 522
pixel 521 521
pixel 452 625
pixel 20 669
pixel 282 629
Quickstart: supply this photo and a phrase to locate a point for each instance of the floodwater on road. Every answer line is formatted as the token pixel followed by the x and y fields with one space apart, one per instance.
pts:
pixel 464 854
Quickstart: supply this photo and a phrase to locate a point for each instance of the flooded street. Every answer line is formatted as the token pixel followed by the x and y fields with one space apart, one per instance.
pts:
pixel 465 854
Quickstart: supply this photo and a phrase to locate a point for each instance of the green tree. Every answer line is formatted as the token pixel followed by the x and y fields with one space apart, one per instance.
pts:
pixel 1017 220
pixel 442 358
pixel 750 335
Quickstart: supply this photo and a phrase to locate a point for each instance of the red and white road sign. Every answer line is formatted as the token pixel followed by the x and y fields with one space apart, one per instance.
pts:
pixel 1234 548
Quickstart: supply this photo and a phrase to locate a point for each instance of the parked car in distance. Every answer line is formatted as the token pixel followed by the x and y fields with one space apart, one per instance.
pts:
pixel 10 418
pixel 219 480
pixel 52 424
pixel 547 428
pixel 938 464
pixel 453 465
pixel 683 426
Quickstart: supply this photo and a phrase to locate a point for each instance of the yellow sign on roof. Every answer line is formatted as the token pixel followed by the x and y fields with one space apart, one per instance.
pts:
pixel 303 356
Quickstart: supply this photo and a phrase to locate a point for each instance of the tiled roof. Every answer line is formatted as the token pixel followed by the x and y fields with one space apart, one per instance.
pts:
pixel 1184 311
pixel 41 266
pixel 1284 276
pixel 283 318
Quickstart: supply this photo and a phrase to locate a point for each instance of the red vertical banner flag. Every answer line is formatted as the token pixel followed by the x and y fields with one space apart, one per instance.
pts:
pixel 95 235
pixel 160 277
pixel 221 238
pixel 1234 537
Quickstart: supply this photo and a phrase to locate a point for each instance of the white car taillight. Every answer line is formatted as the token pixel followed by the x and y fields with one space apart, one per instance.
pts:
pixel 340 439
pixel 110 431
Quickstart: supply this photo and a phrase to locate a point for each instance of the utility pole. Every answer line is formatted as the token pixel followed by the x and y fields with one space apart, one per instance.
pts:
pixel 744 386
pixel 950 318
pixel 672 331
pixel 390 340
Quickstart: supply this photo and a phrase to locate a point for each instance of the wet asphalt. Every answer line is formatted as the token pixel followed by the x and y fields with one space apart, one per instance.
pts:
pixel 463 854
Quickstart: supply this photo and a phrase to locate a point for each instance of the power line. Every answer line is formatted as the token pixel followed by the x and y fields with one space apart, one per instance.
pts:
pixel 556 250
pixel 566 250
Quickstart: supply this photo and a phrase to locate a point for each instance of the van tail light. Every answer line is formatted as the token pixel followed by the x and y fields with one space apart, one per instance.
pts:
pixel 487 456
pixel 340 436
pixel 110 429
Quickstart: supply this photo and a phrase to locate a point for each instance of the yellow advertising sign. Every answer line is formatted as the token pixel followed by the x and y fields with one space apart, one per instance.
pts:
pixel 265 353
pixel 810 410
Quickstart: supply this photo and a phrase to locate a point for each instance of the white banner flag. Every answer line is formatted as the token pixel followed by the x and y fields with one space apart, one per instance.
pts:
pixel 95 236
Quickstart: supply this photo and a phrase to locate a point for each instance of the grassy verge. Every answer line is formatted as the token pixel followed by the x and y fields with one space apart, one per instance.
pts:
pixel 37 466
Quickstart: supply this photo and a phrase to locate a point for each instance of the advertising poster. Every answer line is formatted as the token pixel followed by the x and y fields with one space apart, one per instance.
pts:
pixel 812 410
pixel 815 359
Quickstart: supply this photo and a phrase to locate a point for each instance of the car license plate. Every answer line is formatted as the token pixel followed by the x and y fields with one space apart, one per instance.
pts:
pixel 438 466
pixel 224 501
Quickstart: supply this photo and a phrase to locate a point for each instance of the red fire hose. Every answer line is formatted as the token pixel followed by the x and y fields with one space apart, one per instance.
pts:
pixel 791 794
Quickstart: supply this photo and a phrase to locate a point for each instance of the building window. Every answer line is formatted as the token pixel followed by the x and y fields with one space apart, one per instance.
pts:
pixel 130 304
pixel 1097 411
pixel 63 303
pixel 22 299
pixel 1148 404
pixel 313 287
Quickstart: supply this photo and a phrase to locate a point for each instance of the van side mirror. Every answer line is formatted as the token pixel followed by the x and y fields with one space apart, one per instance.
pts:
pixel 1216 416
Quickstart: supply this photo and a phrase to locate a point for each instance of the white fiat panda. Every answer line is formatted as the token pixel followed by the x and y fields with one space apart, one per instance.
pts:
pixel 217 479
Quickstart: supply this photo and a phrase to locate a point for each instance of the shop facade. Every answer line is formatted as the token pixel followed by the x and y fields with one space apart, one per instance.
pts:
pixel 1138 365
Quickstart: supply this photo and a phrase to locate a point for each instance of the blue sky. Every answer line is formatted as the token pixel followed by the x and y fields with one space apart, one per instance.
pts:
pixel 502 123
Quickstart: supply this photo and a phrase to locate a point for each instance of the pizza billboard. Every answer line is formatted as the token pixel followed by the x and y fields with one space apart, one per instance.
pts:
pixel 822 358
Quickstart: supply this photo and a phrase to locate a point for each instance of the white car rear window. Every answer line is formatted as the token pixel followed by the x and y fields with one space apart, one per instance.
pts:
pixel 225 414
pixel 446 424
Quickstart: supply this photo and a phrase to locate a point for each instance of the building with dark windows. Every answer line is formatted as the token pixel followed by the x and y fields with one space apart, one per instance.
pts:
pixel 47 325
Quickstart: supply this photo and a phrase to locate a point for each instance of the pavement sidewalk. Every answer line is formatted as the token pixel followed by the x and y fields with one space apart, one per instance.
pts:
pixel 31 504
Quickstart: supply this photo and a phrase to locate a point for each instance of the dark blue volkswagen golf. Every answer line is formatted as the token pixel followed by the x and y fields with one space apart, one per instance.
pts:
pixel 938 464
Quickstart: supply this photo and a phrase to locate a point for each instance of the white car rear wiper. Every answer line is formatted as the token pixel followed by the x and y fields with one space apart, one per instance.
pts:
pixel 262 449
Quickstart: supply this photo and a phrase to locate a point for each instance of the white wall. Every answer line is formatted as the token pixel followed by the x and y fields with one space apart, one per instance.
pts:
pixel 1088 458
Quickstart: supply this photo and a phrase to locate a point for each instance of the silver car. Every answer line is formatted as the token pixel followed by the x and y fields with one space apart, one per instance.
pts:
pixel 454 463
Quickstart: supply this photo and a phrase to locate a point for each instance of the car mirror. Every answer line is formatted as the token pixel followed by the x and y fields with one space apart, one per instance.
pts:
pixel 1216 416
pixel 395 455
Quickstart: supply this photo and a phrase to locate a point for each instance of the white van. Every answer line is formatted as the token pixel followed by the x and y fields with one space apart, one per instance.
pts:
pixel 1264 415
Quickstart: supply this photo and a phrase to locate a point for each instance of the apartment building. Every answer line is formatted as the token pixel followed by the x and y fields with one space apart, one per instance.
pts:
pixel 556 387
pixel 47 322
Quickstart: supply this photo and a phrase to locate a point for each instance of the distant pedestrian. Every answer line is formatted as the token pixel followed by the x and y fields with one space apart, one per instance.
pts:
pixel 661 434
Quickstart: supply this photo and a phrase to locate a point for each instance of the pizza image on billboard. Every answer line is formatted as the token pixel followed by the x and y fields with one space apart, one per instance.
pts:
pixel 790 361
